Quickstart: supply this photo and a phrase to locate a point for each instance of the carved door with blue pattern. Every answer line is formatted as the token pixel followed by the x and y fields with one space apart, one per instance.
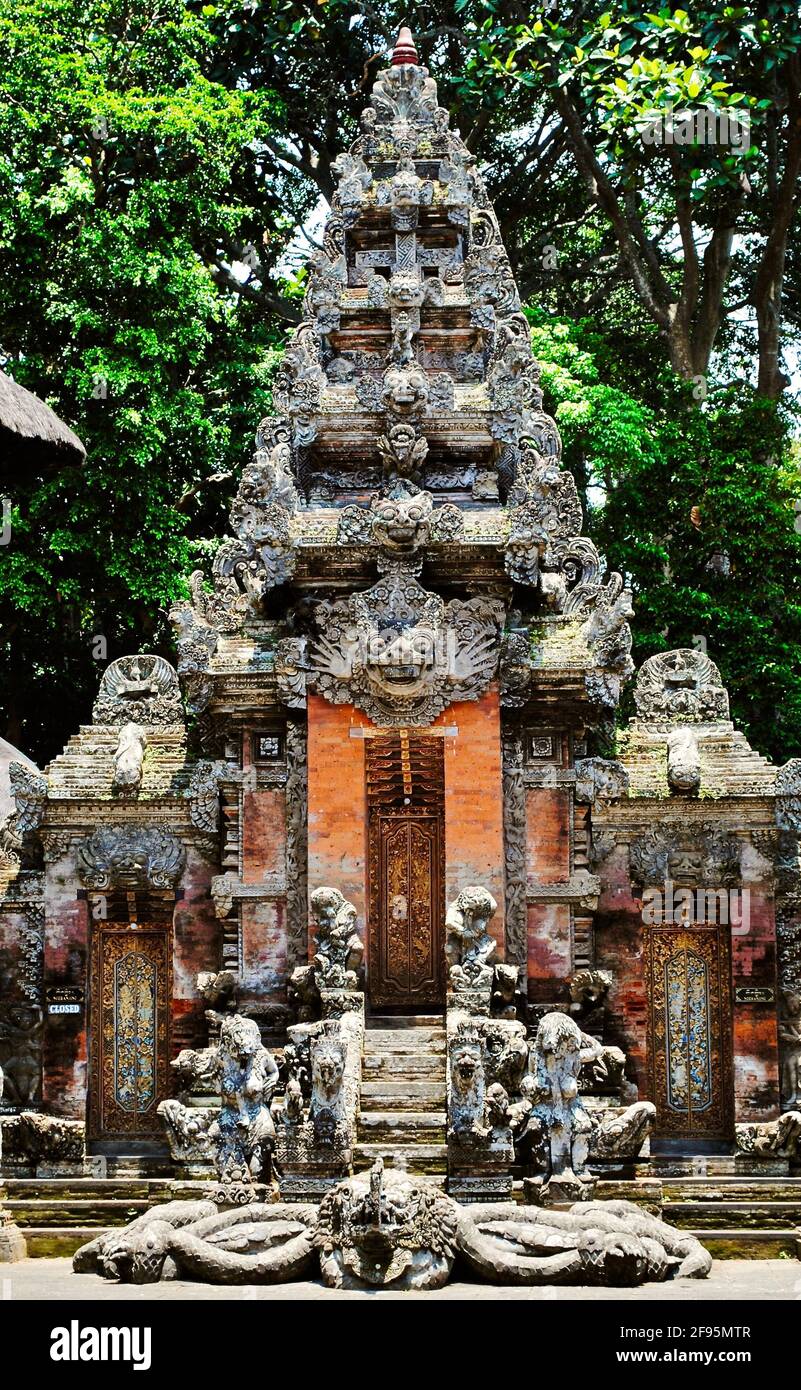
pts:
pixel 689 1043
pixel 129 1031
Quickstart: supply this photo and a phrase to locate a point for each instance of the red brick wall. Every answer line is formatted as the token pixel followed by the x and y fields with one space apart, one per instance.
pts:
pixel 548 861
pixel 263 833
pixel 65 962
pixel 474 802
pixel 337 802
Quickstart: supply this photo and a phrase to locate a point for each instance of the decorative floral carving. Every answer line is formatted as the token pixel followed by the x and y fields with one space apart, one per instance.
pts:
pixel 29 790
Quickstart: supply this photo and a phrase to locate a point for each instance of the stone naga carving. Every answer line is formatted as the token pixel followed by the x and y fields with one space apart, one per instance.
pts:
pixel 402 654
pixel 790 1050
pixel 128 758
pixel 681 686
pixel 244 1133
pixel 32 1139
pixel 130 856
pixel 683 760
pixel 139 690
pixel 469 949
pixel 773 1138
pixel 385 1229
pixel 339 947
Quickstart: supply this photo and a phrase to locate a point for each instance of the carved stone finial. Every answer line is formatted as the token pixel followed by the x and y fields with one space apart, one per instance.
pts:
pixel 404 50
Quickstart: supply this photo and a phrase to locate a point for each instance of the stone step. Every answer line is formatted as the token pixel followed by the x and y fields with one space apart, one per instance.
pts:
pixel 416 1158
pixel 105 1189
pixel 377 1022
pixel 404 1066
pixel 732 1189
pixel 402 1095
pixel 751 1245
pixel 413 1041
pixel 74 1212
pixel 739 1216
pixel 402 1125
pixel 51 1242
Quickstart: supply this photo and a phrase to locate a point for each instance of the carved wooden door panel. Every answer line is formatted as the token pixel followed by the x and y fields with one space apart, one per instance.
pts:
pixel 129 1031
pixel 406 911
pixel 689 1040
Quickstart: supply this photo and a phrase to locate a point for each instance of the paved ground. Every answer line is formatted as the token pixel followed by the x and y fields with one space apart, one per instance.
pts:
pixel 730 1281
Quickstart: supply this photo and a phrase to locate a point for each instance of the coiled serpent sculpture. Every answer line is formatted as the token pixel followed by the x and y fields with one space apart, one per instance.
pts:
pixel 389 1229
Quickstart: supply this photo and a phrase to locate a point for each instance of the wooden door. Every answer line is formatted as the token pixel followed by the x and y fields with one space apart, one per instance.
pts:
pixel 689 1040
pixel 406 961
pixel 129 1044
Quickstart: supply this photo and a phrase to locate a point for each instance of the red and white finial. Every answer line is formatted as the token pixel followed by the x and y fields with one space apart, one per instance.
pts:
pixel 404 50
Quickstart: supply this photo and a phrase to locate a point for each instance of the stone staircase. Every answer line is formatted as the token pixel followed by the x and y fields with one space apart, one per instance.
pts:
pixel 58 1215
pixel 402 1118
pixel 738 1218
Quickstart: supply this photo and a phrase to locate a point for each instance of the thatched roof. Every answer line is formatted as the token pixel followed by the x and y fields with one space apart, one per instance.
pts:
pixel 30 432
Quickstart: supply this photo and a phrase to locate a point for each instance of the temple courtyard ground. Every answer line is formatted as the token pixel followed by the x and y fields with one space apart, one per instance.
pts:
pixel 729 1281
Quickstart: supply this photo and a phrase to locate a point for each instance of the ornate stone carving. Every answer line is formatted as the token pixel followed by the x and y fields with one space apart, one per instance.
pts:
pixel 384 1228
pixel 684 761
pixel 187 1129
pixel 128 758
pixel 515 849
pixel 403 454
pixel 196 642
pixel 600 779
pixel 608 637
pixel 681 686
pixel 402 654
pixel 470 951
pixel 790 1050
pixel 244 1133
pixel 21 1029
pixel 36 1141
pixel 788 796
pixel 296 844
pixel 705 855
pixel 203 794
pixel 772 1139
pixel 29 790
pixel 139 690
pixel 339 947
pixel 119 856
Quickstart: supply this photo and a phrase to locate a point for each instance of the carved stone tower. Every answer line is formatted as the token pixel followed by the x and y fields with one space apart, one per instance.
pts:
pixel 408 620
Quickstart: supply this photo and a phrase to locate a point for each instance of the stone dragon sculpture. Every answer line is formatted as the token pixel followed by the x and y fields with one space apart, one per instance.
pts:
pixel 394 1230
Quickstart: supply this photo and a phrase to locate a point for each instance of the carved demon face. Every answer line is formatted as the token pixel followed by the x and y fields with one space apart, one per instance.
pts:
pixel 401 664
pixel 404 523
pixel 328 1065
pixel 405 290
pixel 405 390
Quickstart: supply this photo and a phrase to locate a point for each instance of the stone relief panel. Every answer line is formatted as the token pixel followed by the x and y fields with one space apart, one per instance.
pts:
pixel 118 856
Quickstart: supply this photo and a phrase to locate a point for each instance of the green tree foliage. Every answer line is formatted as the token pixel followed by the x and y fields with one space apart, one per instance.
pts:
pixel 697 508
pixel 120 163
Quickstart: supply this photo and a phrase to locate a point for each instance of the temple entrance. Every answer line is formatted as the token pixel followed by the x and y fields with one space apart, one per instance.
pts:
pixel 129 1027
pixel 689 1032
pixel 405 870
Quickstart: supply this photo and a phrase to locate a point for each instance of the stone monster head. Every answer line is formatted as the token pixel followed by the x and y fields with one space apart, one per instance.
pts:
pixel 328 1066
pixel 402 524
pixel 137 1255
pixel 386 1228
